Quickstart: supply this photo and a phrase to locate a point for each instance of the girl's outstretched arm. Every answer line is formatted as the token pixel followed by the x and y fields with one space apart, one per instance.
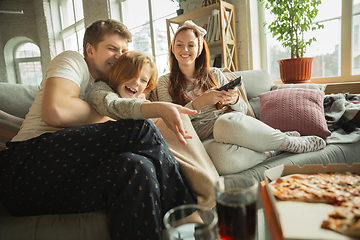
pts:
pixel 170 113
pixel 109 103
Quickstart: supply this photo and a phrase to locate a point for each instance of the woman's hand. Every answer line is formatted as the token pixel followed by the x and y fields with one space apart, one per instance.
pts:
pixel 210 97
pixel 170 113
pixel 231 96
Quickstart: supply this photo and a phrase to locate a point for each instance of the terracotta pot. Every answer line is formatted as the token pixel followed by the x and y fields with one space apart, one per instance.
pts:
pixel 295 70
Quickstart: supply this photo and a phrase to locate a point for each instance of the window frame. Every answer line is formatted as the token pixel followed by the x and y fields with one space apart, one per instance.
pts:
pixel 17 61
pixel 62 34
pixel 152 21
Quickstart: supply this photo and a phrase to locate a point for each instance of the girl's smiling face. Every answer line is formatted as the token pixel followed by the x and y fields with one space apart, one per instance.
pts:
pixel 186 47
pixel 134 87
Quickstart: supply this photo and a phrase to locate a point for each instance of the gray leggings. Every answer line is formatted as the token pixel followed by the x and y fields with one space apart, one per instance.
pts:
pixel 240 142
pixel 248 132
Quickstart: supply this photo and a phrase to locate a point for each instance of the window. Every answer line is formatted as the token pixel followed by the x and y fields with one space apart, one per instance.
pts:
pixel 355 46
pixel 148 26
pixel 72 24
pixel 356 37
pixel 336 53
pixel 28 64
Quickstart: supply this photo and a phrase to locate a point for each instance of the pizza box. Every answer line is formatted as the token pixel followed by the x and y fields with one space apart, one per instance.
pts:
pixel 301 220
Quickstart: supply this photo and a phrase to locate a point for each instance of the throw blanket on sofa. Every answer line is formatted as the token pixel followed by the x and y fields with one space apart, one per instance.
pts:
pixel 194 162
pixel 342 114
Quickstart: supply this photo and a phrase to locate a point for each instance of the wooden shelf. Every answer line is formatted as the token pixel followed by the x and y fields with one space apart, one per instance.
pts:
pixel 227 41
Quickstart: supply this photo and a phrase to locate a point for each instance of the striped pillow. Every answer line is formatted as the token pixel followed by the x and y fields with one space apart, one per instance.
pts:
pixel 9 126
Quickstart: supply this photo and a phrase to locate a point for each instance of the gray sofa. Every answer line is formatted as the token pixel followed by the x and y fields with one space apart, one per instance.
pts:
pixel 15 101
pixel 259 81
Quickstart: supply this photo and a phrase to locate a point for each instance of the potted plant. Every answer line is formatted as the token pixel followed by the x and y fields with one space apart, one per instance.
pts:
pixel 180 10
pixel 292 19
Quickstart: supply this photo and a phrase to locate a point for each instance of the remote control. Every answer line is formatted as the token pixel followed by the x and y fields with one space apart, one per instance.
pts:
pixel 231 85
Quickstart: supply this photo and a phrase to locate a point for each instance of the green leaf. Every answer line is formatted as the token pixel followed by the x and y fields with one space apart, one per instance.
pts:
pixel 292 19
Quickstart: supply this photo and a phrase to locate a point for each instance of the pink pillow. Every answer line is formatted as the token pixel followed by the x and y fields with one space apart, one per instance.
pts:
pixel 295 109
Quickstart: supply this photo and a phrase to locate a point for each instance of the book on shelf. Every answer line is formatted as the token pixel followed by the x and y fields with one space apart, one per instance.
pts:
pixel 209 27
pixel 205 26
pixel 213 26
pixel 213 30
pixel 211 62
pixel 218 26
pixel 218 61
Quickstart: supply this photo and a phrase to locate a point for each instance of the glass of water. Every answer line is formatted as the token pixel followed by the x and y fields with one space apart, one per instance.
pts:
pixel 191 222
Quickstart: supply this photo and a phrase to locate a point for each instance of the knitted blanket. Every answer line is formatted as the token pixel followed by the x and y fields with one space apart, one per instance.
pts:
pixel 342 114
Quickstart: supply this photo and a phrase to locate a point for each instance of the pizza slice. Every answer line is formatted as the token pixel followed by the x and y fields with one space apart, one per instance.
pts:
pixel 301 187
pixel 339 189
pixel 345 218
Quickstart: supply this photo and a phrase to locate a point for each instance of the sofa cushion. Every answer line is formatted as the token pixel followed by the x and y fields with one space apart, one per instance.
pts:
pixel 295 109
pixel 9 126
pixel 321 87
pixel 256 82
pixel 16 99
pixel 80 226
pixel 332 153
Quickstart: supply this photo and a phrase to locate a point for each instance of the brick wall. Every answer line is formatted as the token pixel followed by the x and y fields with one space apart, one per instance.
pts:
pixel 45 32
pixel 14 26
pixel 36 24
pixel 94 10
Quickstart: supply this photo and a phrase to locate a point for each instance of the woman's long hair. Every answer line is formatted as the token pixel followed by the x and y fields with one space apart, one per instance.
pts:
pixel 178 82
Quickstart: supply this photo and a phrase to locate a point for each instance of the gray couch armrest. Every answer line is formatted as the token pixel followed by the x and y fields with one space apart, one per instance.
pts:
pixel 256 82
pixel 16 99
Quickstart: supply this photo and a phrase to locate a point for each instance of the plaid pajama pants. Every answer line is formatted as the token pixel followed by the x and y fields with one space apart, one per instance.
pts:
pixel 124 166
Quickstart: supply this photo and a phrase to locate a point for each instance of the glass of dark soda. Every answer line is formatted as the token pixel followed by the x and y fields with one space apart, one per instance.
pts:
pixel 236 198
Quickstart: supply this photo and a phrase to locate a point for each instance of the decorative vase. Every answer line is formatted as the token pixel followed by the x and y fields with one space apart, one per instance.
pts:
pixel 295 70
pixel 180 11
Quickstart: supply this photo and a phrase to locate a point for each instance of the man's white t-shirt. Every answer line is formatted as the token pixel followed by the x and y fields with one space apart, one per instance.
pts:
pixel 70 65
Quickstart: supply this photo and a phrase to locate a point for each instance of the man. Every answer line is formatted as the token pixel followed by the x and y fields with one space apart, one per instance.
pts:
pixel 67 158
pixel 69 75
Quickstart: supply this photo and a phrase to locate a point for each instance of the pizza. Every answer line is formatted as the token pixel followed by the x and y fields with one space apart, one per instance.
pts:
pixel 342 190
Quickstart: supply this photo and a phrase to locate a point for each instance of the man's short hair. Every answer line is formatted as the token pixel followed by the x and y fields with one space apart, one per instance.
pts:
pixel 95 33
